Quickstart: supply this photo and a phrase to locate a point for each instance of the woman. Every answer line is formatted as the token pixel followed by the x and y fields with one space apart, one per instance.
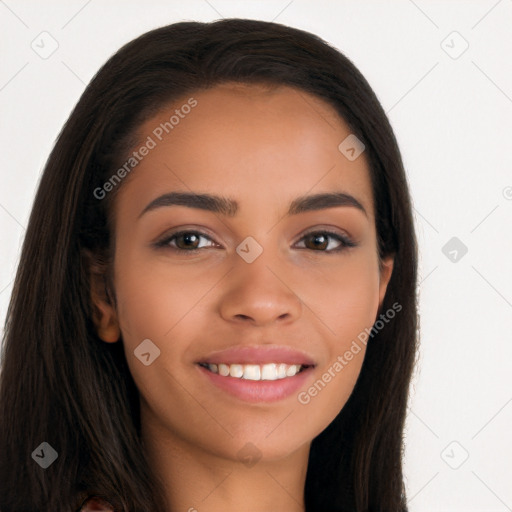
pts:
pixel 215 306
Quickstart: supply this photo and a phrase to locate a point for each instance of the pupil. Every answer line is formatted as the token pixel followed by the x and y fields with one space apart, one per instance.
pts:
pixel 316 238
pixel 188 237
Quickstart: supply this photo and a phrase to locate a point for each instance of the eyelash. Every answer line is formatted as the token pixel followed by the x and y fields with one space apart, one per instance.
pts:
pixel 346 242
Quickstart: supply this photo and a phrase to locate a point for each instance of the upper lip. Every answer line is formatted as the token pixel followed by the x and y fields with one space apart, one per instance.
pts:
pixel 259 355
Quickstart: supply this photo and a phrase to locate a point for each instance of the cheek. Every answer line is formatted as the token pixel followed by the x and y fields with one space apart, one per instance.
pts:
pixel 166 304
pixel 346 295
pixel 172 304
pixel 155 293
pixel 346 301
pixel 158 300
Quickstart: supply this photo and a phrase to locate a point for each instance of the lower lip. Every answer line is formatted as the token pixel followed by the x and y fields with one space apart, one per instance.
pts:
pixel 258 390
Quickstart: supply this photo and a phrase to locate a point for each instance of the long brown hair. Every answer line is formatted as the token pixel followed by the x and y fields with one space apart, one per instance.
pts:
pixel 62 385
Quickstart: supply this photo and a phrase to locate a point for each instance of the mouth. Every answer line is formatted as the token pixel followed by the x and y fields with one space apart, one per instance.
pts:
pixel 250 383
pixel 256 372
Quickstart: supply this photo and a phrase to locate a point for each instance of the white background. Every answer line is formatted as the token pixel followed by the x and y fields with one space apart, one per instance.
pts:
pixel 453 120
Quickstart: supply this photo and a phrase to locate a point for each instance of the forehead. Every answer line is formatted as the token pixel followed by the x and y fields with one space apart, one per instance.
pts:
pixel 258 143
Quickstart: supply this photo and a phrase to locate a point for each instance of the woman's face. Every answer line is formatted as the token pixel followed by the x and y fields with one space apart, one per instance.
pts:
pixel 251 276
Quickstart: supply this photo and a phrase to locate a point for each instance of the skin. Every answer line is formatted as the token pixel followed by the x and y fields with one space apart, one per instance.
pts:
pixel 263 147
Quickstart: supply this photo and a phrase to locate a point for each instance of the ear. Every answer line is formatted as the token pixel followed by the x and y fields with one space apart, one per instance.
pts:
pixel 104 314
pixel 386 269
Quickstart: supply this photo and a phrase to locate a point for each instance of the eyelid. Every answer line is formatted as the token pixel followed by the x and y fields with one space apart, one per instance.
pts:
pixel 345 239
pixel 330 230
pixel 163 241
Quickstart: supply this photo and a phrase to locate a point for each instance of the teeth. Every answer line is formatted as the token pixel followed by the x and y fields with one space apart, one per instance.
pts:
pixel 251 372
pixel 271 371
pixel 236 370
pixel 223 370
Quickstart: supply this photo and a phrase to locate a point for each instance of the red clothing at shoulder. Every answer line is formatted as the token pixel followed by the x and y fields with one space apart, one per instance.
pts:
pixel 97 505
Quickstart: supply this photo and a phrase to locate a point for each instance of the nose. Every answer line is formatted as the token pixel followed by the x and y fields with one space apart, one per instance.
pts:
pixel 260 293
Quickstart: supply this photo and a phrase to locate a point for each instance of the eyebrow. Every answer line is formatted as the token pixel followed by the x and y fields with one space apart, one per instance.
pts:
pixel 229 207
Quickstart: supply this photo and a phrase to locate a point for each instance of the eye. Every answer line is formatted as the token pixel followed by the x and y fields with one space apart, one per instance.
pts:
pixel 185 241
pixel 317 241
pixel 320 241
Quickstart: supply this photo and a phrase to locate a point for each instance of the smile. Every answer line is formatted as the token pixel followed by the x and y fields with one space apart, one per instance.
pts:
pixel 257 383
pixel 271 371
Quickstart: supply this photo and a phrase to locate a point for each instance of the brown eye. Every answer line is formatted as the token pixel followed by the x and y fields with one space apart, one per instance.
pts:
pixel 185 241
pixel 319 241
pixel 190 241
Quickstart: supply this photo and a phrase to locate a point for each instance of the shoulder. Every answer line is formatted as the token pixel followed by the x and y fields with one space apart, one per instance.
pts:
pixel 96 505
